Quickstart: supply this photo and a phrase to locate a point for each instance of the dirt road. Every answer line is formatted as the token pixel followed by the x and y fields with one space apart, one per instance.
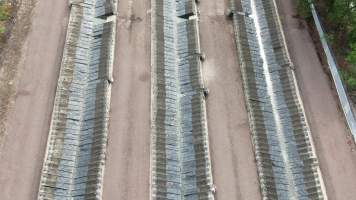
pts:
pixel 328 128
pixel 233 161
pixel 28 124
pixel 128 161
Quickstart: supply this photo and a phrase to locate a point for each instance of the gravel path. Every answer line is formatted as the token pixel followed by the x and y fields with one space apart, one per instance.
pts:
pixel 128 159
pixel 233 160
pixel 36 74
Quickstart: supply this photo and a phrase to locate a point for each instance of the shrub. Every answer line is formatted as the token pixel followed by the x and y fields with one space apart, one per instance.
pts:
pixel 351 56
pixel 351 83
pixel 304 9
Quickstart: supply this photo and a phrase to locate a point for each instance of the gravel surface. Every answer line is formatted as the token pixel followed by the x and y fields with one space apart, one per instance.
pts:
pixel 233 160
pixel 128 160
pixel 35 77
pixel 9 62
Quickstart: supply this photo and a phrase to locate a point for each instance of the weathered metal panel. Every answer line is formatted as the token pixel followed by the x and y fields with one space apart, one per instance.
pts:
pixel 74 163
pixel 286 163
pixel 180 162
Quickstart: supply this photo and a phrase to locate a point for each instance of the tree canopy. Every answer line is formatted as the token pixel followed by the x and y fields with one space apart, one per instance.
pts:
pixel 340 19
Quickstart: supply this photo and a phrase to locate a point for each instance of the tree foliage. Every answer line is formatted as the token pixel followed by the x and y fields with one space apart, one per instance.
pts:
pixel 351 57
pixel 340 16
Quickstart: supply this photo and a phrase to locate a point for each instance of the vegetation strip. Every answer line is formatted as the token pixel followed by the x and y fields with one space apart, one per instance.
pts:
pixel 7 15
pixel 180 162
pixel 286 162
pixel 74 163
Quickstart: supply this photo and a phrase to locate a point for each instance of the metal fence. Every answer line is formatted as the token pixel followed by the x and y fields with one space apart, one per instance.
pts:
pixel 335 74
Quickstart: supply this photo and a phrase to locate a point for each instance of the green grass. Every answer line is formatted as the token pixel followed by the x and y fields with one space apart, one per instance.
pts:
pixel 5 11
pixel 2 29
pixel 5 14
